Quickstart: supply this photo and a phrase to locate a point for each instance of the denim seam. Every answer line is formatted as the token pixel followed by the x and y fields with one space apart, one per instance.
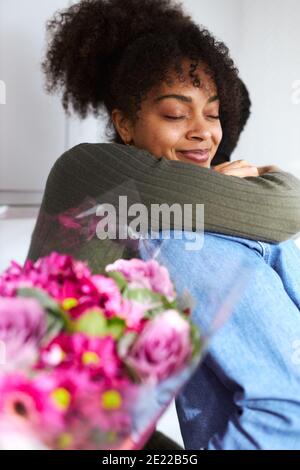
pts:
pixel 265 251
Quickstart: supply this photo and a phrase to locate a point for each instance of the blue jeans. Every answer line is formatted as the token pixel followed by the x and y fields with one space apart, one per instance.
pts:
pixel 246 392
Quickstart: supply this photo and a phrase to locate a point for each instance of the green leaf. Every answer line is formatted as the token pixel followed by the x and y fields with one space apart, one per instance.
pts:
pixel 41 296
pixel 118 278
pixel 116 327
pixel 92 323
pixel 142 295
pixel 153 312
pixel 169 305
pixel 196 340
pixel 57 318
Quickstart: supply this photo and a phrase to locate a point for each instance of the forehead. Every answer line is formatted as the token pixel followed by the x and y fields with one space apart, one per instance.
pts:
pixel 184 85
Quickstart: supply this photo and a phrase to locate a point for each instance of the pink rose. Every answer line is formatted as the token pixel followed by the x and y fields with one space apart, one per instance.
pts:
pixel 145 274
pixel 22 326
pixel 162 348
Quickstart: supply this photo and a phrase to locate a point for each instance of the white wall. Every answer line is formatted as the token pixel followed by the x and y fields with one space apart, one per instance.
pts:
pixel 34 130
pixel 32 125
pixel 263 37
pixel 269 61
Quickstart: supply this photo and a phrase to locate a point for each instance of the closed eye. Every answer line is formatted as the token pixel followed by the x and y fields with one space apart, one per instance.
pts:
pixel 172 117
pixel 182 117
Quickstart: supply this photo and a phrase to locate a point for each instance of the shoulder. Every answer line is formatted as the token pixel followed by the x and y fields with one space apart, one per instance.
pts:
pixel 80 170
pixel 88 152
pixel 87 158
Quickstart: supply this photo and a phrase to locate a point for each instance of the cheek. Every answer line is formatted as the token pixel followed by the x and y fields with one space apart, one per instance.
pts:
pixel 218 134
pixel 165 135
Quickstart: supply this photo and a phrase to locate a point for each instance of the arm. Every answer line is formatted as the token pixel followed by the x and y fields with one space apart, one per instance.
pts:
pixel 266 208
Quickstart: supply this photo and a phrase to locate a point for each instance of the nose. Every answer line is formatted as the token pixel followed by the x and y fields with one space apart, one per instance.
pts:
pixel 201 130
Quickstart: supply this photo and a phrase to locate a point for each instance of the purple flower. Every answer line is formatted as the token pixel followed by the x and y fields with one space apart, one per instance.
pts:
pixel 162 348
pixel 145 274
pixel 22 326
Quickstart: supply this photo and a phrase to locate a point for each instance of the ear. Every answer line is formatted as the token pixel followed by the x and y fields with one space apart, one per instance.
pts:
pixel 122 125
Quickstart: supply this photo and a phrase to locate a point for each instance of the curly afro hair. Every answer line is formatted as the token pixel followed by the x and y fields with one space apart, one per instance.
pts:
pixel 227 146
pixel 108 54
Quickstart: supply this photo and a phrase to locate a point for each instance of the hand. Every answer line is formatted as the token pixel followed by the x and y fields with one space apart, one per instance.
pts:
pixel 267 169
pixel 242 169
pixel 239 168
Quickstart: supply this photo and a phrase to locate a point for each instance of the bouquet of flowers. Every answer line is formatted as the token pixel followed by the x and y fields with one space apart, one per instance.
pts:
pixel 91 361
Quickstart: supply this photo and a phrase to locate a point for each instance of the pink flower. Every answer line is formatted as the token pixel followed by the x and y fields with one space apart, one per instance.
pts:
pixel 110 407
pixel 68 281
pixel 46 272
pixel 82 226
pixel 162 348
pixel 48 404
pixel 96 355
pixel 28 401
pixel 22 326
pixel 145 274
pixel 110 295
pixel 134 314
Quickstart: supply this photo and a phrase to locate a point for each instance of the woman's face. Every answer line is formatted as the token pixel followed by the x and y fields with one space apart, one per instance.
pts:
pixel 169 125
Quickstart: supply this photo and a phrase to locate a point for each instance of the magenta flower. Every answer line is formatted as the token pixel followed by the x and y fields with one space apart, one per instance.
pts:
pixel 111 298
pixel 29 401
pixel 145 274
pixel 68 281
pixel 22 326
pixel 47 403
pixel 110 406
pixel 96 355
pixel 47 271
pixel 162 348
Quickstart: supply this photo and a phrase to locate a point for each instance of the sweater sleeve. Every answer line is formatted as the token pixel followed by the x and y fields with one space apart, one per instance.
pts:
pixel 265 208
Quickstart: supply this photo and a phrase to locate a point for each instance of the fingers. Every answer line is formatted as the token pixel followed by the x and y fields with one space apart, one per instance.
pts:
pixel 243 168
pixel 267 169
pixel 240 168
pixel 234 164
pixel 241 172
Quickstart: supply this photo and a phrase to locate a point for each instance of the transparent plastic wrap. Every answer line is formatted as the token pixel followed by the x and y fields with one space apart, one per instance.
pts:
pixel 158 333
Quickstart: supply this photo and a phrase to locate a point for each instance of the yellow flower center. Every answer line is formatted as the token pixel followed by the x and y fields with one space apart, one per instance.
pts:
pixel 65 440
pixel 90 357
pixel 111 436
pixel 61 398
pixel 111 400
pixel 69 303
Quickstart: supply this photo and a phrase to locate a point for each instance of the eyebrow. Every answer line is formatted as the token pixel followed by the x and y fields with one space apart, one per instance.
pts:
pixel 186 99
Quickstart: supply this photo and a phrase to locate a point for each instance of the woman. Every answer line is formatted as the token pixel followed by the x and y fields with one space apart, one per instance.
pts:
pixel 124 59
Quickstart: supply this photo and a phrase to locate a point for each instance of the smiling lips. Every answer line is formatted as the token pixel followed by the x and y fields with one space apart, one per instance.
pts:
pixel 199 156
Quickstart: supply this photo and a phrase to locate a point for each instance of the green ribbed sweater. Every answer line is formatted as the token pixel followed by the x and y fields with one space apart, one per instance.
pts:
pixel 265 208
